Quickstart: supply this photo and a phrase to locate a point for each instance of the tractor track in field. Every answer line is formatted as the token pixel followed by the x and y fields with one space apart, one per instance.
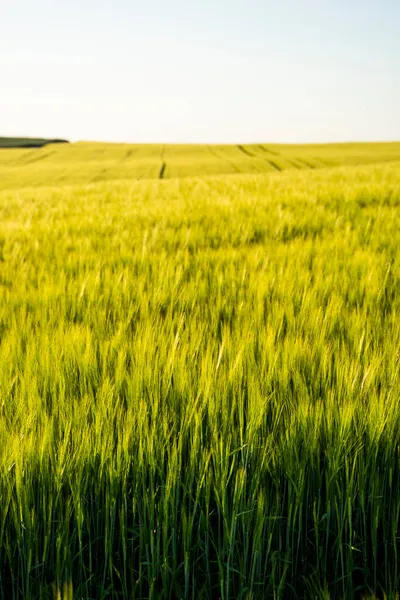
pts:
pixel 268 151
pixel 306 163
pixel 273 165
pixel 163 163
pixel 117 161
pixel 245 151
pixel 226 160
pixel 36 158
pixel 294 163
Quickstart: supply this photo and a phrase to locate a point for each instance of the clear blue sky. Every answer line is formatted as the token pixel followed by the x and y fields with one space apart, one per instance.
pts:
pixel 201 71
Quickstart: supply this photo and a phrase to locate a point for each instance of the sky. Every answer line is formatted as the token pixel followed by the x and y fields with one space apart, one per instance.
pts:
pixel 212 71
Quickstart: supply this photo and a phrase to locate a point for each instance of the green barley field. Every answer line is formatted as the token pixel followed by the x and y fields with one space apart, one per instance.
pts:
pixel 200 372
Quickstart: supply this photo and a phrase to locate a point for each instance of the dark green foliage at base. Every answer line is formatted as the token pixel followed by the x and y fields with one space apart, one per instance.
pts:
pixel 6 142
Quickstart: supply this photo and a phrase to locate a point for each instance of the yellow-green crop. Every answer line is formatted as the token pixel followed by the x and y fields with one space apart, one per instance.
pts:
pixel 70 164
pixel 199 383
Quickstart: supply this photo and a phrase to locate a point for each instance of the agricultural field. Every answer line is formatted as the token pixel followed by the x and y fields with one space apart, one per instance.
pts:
pixel 200 372
pixel 83 163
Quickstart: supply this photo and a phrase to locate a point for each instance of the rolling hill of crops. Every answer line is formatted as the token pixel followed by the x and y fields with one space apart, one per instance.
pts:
pixel 79 163
pixel 199 375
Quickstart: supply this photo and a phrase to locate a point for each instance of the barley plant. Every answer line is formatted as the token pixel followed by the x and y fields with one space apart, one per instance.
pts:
pixel 200 385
